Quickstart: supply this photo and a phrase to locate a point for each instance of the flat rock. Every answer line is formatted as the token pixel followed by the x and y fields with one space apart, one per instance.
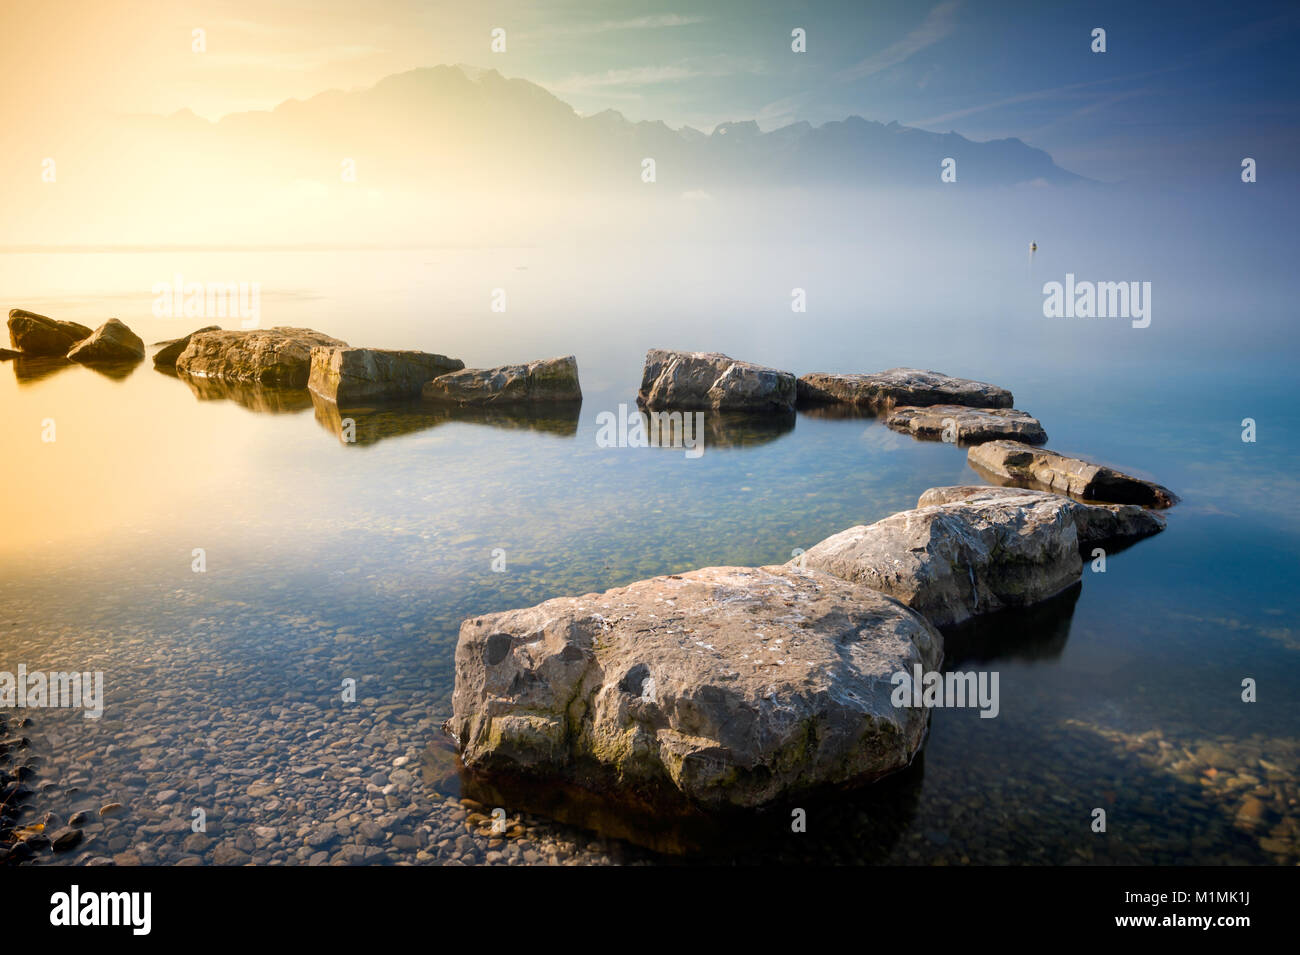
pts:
pixel 342 374
pixel 724 687
pixel 547 380
pixel 65 839
pixel 34 334
pixel 964 425
pixel 884 390
pixel 166 356
pixel 708 380
pixel 272 356
pixel 1094 523
pixel 1019 464
pixel 955 561
pixel 110 342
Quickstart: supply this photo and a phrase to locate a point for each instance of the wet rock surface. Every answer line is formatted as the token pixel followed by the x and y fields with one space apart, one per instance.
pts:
pixel 345 375
pixel 545 381
pixel 111 342
pixel 274 356
pixel 963 426
pixel 726 687
pixel 1016 463
pixel 40 336
pixel 1095 523
pixel 169 351
pixel 882 391
pixel 710 380
pixel 962 559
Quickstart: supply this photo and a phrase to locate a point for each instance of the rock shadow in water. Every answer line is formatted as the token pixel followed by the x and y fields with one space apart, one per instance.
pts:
pixel 854 825
pixel 722 429
pixel 263 399
pixel 29 369
pixel 1025 634
pixel 116 370
pixel 839 412
pixel 373 423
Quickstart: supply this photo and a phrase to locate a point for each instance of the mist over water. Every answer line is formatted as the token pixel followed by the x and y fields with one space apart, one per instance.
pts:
pixel 388 543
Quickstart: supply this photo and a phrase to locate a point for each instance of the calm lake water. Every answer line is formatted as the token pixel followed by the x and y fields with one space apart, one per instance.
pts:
pixel 327 561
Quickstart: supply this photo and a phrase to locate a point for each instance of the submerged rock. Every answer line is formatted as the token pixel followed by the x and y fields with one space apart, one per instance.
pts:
pixel 166 356
pixel 272 356
pixel 544 380
pixel 34 334
pixel 1018 464
pixel 342 374
pixel 1095 523
pixel 725 687
pixel 967 425
pixel 958 560
pixel 885 390
pixel 111 342
pixel 708 380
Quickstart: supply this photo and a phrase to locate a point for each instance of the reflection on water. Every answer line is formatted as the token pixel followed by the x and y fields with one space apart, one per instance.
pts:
pixel 1023 634
pixel 367 425
pixel 324 563
pixel 868 819
pixel 722 429
pixel 837 412
pixel 27 370
pixel 252 395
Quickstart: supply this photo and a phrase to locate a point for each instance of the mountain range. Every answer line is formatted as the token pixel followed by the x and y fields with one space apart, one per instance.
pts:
pixel 457 154
pixel 458 125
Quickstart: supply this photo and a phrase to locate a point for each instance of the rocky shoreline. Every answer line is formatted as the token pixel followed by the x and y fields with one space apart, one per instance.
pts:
pixel 731 687
pixel 723 689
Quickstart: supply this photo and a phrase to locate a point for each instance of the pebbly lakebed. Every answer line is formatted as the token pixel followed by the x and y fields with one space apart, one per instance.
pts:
pixel 327 561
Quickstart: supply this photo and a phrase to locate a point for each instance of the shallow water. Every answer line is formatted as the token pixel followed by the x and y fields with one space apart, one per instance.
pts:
pixel 327 561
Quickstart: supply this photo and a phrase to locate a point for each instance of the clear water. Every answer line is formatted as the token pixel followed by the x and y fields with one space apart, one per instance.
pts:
pixel 327 560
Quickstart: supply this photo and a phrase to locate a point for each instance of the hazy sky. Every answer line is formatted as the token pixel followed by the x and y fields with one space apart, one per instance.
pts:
pixel 1181 84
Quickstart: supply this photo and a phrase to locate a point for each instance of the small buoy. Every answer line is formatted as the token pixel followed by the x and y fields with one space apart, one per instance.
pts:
pixel 1033 246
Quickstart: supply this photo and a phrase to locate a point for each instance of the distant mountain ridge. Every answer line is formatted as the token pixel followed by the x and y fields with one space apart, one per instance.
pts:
pixel 455 125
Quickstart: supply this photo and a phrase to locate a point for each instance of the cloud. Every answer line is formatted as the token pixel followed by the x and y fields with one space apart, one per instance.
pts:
pixel 706 67
pixel 1033 96
pixel 293 61
pixel 635 76
pixel 661 21
pixel 938 24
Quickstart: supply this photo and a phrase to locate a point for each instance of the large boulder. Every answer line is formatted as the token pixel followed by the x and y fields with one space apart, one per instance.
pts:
pixel 169 351
pixel 724 687
pixel 34 334
pixel 110 342
pixel 1107 524
pixel 711 381
pixel 547 380
pixel 1017 463
pixel 272 356
pixel 344 375
pixel 955 561
pixel 967 425
pixel 884 390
